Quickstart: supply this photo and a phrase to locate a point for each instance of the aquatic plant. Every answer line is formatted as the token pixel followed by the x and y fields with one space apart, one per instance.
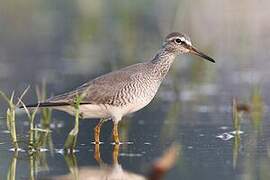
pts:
pixel 236 116
pixel 32 144
pixel 10 115
pixel 44 136
pixel 71 140
pixel 254 108
pixel 46 113
pixel 257 108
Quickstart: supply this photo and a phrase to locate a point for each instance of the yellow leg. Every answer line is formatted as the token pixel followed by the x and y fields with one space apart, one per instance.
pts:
pixel 115 133
pixel 97 130
pixel 115 153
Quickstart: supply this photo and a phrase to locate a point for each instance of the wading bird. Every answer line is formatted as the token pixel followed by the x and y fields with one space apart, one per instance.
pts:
pixel 121 92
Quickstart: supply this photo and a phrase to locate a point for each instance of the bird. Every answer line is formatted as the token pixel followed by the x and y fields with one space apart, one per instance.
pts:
pixel 118 93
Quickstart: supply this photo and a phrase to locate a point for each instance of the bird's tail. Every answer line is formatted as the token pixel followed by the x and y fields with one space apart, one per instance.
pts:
pixel 51 104
pixel 47 104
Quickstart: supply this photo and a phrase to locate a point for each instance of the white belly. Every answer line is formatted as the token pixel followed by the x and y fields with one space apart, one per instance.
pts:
pixel 137 105
pixel 87 110
pixel 107 111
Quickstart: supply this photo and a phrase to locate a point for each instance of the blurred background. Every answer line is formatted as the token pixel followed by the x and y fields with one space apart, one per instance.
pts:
pixel 65 43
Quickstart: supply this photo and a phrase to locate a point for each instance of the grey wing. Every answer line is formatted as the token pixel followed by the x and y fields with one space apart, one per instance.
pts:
pixel 101 90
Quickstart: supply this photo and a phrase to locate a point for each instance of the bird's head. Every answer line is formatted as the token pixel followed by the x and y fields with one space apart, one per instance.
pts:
pixel 180 44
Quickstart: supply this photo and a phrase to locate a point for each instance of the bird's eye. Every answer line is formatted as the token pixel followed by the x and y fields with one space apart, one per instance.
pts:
pixel 178 40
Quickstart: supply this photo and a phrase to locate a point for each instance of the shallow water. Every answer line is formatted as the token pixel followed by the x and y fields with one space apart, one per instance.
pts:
pixel 209 147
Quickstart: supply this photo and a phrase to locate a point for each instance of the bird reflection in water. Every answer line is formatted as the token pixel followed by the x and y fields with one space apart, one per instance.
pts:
pixel 115 171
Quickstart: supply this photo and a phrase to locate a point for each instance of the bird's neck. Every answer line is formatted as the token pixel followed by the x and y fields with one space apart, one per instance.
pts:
pixel 162 62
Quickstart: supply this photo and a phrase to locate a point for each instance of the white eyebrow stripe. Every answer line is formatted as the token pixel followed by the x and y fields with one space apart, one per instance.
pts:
pixel 182 39
pixel 185 40
pixel 188 42
pixel 172 38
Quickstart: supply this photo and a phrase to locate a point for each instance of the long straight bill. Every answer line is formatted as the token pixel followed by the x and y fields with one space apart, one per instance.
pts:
pixel 198 53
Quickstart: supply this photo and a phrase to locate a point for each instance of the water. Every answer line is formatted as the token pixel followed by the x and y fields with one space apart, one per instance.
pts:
pixel 67 43
pixel 209 147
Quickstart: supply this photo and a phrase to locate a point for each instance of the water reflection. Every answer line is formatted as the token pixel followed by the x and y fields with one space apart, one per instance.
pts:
pixel 11 175
pixel 37 163
pixel 71 161
pixel 115 171
pixel 236 149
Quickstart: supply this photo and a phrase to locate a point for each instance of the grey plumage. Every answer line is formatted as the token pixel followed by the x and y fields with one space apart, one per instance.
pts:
pixel 115 88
